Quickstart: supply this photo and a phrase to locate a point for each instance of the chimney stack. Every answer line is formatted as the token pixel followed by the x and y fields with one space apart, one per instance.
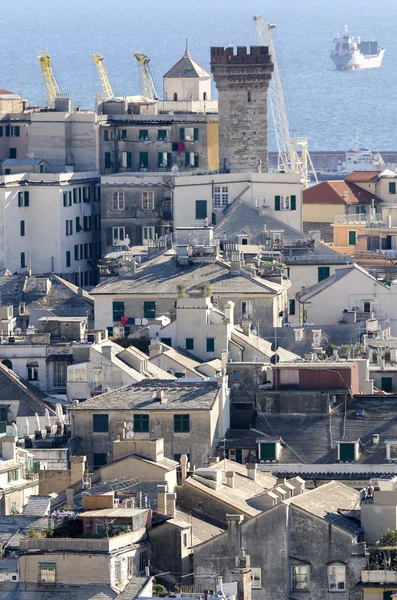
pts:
pixel 107 351
pixel 242 572
pixel 162 499
pixel 171 505
pixel 233 536
pixel 184 467
pixel 160 396
pixel 251 470
pixel 230 479
pixel 246 327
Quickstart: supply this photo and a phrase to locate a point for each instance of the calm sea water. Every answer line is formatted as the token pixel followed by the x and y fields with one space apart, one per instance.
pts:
pixel 326 105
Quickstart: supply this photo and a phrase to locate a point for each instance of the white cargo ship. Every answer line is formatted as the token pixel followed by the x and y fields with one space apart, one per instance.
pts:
pixel 350 53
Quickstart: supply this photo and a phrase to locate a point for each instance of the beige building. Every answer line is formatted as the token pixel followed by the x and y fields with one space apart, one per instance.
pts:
pixel 18 477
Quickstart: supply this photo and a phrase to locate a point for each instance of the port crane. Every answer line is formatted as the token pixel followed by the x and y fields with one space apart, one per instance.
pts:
pixel 103 77
pixel 148 89
pixel 289 159
pixel 50 82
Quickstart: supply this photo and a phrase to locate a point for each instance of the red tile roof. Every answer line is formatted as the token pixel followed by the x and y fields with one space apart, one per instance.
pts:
pixel 363 176
pixel 5 93
pixel 337 192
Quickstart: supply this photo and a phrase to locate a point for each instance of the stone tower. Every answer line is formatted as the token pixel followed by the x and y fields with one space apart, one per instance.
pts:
pixel 242 81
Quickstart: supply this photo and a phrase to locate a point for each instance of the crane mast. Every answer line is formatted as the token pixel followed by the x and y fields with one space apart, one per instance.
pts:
pixel 103 77
pixel 148 89
pixel 289 160
pixel 50 82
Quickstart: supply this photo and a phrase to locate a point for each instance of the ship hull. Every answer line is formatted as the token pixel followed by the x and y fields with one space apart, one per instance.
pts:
pixel 356 61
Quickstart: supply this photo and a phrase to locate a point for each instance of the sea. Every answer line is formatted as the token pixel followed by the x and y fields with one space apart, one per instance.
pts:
pixel 330 107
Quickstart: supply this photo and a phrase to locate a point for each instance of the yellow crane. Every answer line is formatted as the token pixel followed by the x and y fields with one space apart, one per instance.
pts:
pixel 103 76
pixel 51 83
pixel 148 89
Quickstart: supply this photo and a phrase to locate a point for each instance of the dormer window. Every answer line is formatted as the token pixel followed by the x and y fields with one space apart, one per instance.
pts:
pixel 269 450
pixel 348 450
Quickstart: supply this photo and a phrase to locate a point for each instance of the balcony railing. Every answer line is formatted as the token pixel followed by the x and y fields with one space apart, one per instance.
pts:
pixel 359 219
pixel 381 576
pixel 83 544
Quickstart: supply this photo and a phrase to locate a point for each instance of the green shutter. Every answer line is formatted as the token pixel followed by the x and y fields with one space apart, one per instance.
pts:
pixel 110 331
pixel 129 160
pixel 277 203
pixel 3 426
pixel 201 209
pixel 160 159
pixel 292 307
pixel 210 345
pixel 293 202
pixel 323 273
pixel 118 310
pixel 149 310
pixel 26 198
pixel 182 134
pixel 7 131
pixel 346 452
pixel 187 159
pixel 387 384
pixel 1 130
pixel 17 131
pixel 169 160
pixel 196 160
pixel 352 238
pixel 195 134
pixel 268 451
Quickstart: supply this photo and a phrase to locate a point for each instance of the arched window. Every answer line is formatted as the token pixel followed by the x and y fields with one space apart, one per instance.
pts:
pixel 205 96
pixel 175 97
pixel 249 96
pixel 7 363
pixel 32 367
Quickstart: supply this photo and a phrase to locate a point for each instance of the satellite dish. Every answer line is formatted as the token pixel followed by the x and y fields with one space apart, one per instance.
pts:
pixel 129 434
pixel 130 426
pixel 274 359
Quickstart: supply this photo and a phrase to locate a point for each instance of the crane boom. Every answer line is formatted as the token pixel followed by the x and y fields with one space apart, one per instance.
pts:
pixel 103 77
pixel 51 84
pixel 148 88
pixel 289 160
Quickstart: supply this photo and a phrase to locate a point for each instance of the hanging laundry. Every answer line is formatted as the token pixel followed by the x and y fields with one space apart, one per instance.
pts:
pixel 181 147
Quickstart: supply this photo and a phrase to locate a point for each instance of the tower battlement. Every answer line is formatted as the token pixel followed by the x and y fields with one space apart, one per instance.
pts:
pixel 257 54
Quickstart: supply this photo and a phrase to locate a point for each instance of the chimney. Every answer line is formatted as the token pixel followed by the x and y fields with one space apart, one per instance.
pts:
pixel 230 479
pixel 246 327
pixel 184 467
pixel 233 536
pixel 154 348
pixel 162 499
pixel 251 471
pixel 70 497
pixel 171 505
pixel 107 351
pixel 160 396
pixel 77 468
pixel 213 460
pixel 235 262
pixel 9 448
pixel 229 312
pixel 375 438
pixel 242 572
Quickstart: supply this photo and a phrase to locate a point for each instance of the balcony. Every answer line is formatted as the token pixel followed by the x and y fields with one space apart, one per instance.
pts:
pixel 92 545
pixel 381 576
pixel 365 220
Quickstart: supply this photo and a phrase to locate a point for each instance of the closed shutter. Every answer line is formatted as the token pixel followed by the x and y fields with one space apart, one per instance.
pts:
pixel 201 209
pixel 109 236
pixel 167 341
pixel 187 159
pixel 268 451
pixel 1 130
pixel 387 384
pixel 7 131
pixel 346 452
pixel 292 307
pixel 118 310
pixel 129 160
pixel 169 160
pixel 323 273
pixel 352 238
pixel 149 310
pixel 195 134
pixel 196 160
pixel 182 134
pixel 293 202
pixel 160 159
pixel 277 203
pixel 26 198
pixel 17 131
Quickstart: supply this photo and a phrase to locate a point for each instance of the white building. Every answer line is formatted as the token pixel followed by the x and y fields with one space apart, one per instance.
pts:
pixel 204 198
pixel 187 81
pixel 350 290
pixel 49 223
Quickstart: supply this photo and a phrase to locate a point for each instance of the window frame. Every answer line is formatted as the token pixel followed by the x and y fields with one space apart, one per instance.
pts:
pixel 336 588
pixel 118 238
pixel 142 423
pixel 148 200
pixel 392 187
pixel 221 196
pixel 199 210
pixel 44 573
pixel 118 201
pixel 100 423
pixel 297 581
pixel 181 423
pixel 255 571
pixel 210 344
pixel 149 310
pixel 352 232
pixel 148 233
pixel 189 342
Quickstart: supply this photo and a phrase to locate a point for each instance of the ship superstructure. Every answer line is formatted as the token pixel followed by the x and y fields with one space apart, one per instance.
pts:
pixel 350 53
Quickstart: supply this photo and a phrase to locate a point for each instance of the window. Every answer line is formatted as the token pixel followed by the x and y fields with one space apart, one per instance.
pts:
pixel 367 306
pixel 118 236
pixel 68 261
pixel 210 344
pixel 292 307
pixel 122 134
pixel 236 376
pixel 299 577
pixel 347 452
pixel 67 198
pixel 189 134
pixel 387 384
pixel 32 367
pixel 192 159
pixel 9 475
pixel 267 451
pixel 141 423
pixel 247 309
pixel 175 97
pixel 23 199
pixel 181 423
pixel 118 201
pixel 100 423
pixel 337 578
pixel 352 238
pixel 87 255
pixel 7 363
pixel 392 187
pixel 69 227
pixel 125 160
pixel 17 474
pixel 87 223
pixel 201 209
pixel 143 134
pixel 118 310
pixel 221 195
pixel 285 203
pixel 323 273
pixel 12 131
pixel 256 578
pixel 108 160
pixel 149 310
pixel 59 373
pixel 78 225
pixel 249 96
pixel 162 135
pixel 22 228
pixel 164 160
pixel 143 160
pixel 13 153
pixel 47 572
pixel 189 344
pixel 147 234
pixel 106 135
pixel 23 260
pixel 78 251
pixel 167 341
pixel 148 200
